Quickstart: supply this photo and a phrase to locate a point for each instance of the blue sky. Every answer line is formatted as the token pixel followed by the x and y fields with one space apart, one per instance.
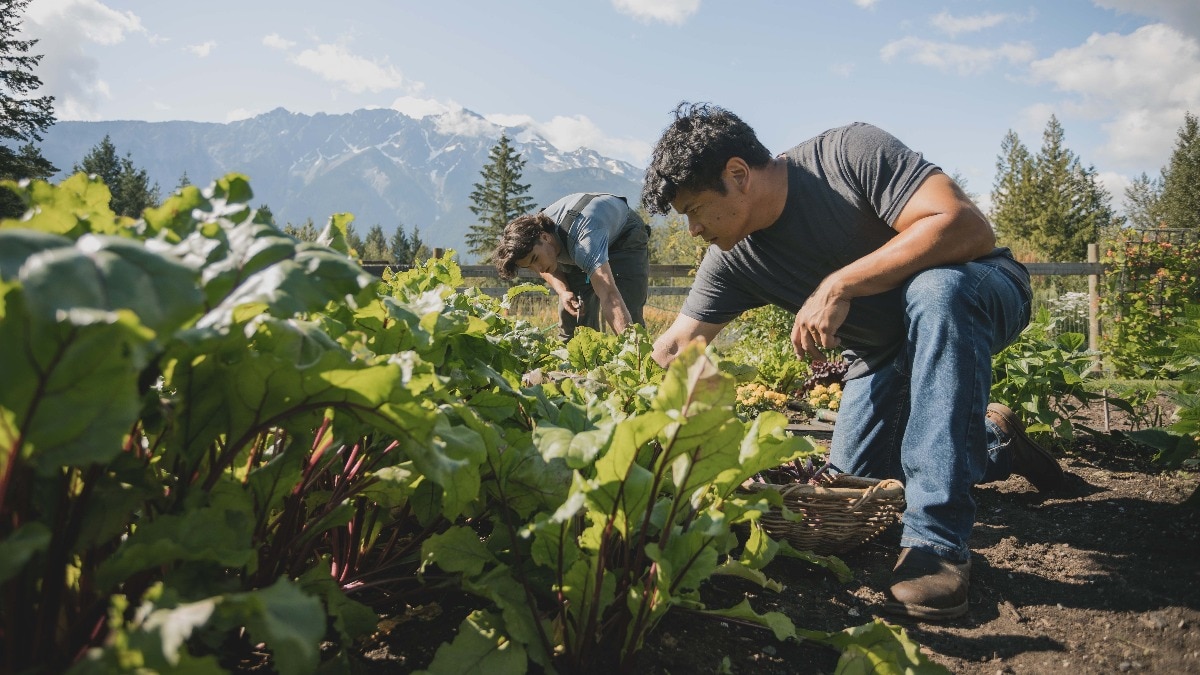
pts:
pixel 949 78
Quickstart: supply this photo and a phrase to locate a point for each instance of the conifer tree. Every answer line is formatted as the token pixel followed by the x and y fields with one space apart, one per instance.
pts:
pixel 401 246
pixel 129 185
pixel 1013 192
pixel 1144 207
pixel 1050 205
pixel 23 116
pixel 354 240
pixel 496 200
pixel 1181 178
pixel 375 247
pixel 306 232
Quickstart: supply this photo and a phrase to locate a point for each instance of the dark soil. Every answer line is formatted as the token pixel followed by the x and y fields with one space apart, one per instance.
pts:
pixel 1102 576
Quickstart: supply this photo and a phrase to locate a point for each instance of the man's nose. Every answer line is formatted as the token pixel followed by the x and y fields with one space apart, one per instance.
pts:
pixel 693 227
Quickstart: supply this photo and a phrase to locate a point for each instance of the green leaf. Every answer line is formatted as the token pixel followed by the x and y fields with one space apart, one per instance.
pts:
pixel 458 549
pixel 18 548
pixel 70 386
pixel 214 534
pixel 780 625
pixel 479 648
pixel 290 622
pixel 74 207
pixel 877 648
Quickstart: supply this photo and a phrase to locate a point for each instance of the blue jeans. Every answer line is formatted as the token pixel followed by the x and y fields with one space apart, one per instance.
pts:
pixel 921 418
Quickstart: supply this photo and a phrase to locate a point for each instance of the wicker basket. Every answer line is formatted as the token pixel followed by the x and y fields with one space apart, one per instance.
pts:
pixel 838 516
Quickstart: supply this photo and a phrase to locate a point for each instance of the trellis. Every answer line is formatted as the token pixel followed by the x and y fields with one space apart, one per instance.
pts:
pixel 1132 276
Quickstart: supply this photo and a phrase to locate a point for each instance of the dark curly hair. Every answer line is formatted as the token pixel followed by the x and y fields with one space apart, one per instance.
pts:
pixel 517 240
pixel 693 151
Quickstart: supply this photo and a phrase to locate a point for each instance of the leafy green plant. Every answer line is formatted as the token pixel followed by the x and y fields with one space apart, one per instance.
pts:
pixel 1177 444
pixel 214 436
pixel 1149 283
pixel 648 514
pixel 203 412
pixel 1041 374
pixel 762 341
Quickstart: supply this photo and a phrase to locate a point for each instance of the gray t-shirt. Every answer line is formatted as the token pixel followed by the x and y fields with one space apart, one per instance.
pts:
pixel 602 221
pixel 846 188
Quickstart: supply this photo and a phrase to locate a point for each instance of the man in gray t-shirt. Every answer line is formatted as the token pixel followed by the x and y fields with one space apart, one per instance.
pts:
pixel 876 251
pixel 592 249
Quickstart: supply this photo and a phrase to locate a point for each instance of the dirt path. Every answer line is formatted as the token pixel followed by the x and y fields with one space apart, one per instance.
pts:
pixel 1101 577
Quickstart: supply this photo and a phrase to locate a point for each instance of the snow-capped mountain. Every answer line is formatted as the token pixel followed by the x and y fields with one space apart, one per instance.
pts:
pixel 382 166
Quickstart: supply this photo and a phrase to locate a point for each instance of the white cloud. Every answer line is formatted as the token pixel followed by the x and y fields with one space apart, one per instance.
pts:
pixel 953 25
pixel 866 4
pixel 238 114
pixel 951 57
pixel 1138 85
pixel 417 108
pixel 203 49
pixel 1115 183
pixel 571 133
pixel 357 74
pixel 843 69
pixel 64 29
pixel 1183 15
pixel 274 41
pixel 458 120
pixel 666 11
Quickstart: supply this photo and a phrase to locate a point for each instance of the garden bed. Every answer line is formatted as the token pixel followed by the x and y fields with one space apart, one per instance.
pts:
pixel 1099 577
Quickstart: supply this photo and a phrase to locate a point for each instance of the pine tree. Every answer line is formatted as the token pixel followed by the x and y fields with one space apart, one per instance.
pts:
pixel 1049 206
pixel 401 247
pixel 1012 192
pixel 496 200
pixel 23 117
pixel 1181 178
pixel 1144 205
pixel 354 240
pixel 129 185
pixel 375 248
pixel 420 252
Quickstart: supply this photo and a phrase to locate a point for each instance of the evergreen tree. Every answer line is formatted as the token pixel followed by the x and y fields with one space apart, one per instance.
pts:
pixel 496 200
pixel 1181 178
pixel 375 248
pixel 306 232
pixel 1049 206
pixel 420 252
pixel 1144 207
pixel 23 117
pixel 264 211
pixel 129 185
pixel 401 247
pixel 184 181
pixel 1013 192
pixel 354 240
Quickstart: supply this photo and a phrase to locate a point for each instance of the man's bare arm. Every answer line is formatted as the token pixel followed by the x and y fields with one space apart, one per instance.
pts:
pixel 682 331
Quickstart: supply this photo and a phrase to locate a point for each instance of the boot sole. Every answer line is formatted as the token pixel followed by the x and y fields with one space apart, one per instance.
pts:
pixel 922 612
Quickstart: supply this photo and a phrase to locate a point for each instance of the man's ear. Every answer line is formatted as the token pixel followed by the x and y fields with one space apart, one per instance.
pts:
pixel 738 173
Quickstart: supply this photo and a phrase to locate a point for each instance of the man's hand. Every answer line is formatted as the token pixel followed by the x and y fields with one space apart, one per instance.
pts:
pixel 571 303
pixel 818 320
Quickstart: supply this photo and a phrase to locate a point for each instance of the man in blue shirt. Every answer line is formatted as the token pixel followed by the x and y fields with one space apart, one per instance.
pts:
pixel 591 248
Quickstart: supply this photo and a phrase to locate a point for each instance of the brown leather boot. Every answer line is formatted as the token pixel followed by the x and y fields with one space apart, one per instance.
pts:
pixel 1028 458
pixel 927 586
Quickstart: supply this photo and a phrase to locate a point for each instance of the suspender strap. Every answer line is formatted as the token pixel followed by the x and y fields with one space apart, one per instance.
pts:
pixel 567 224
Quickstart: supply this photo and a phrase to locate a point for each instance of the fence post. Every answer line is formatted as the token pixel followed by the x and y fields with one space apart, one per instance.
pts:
pixel 1093 253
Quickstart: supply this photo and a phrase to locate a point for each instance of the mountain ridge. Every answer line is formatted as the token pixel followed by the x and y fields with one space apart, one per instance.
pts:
pixel 380 165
